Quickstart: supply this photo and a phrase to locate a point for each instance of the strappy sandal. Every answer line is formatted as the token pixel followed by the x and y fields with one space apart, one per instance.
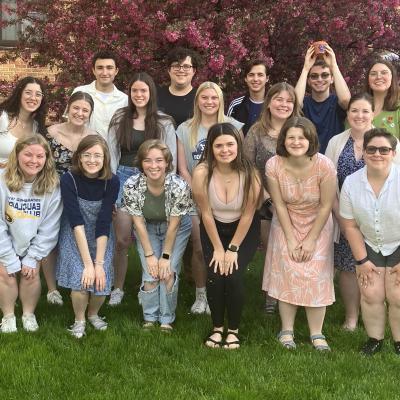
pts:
pixel 215 343
pixel 320 347
pixel 234 344
pixel 288 343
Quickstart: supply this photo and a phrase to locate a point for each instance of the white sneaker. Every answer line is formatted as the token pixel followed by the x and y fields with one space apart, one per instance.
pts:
pixel 8 324
pixel 29 323
pixel 98 323
pixel 200 305
pixel 77 329
pixel 54 297
pixel 116 297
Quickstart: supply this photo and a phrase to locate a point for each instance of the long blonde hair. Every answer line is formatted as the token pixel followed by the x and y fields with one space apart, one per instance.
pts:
pixel 194 123
pixel 46 180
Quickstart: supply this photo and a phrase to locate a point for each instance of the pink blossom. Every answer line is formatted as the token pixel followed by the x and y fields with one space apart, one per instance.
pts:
pixel 171 36
pixel 216 63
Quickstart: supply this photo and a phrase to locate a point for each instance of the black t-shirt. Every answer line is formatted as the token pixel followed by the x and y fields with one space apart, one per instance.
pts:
pixel 180 108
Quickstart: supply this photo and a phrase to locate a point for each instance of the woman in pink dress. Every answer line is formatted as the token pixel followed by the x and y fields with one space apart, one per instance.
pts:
pixel 299 260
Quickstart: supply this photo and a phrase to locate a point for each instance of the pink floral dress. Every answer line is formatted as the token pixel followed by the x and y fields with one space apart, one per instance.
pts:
pixel 306 283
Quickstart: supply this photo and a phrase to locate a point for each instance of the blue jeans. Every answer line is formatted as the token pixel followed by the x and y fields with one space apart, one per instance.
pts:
pixel 123 174
pixel 159 304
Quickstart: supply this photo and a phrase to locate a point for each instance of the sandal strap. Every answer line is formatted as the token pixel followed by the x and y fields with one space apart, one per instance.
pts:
pixel 317 336
pixel 284 333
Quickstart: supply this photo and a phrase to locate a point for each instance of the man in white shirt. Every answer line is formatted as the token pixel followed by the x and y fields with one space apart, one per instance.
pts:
pixel 107 98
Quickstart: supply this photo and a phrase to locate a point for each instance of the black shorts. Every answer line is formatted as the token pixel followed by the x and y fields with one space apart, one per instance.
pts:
pixel 379 260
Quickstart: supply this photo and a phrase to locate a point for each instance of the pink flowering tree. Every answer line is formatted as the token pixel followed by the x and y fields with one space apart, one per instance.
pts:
pixel 227 33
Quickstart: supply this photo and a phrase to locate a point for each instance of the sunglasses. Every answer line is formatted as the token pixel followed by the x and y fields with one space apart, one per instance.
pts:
pixel 324 75
pixel 382 150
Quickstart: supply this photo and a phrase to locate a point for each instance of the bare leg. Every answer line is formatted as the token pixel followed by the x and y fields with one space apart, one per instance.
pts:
pixel 79 304
pixel 351 298
pixel 49 270
pixel 123 233
pixel 288 314
pixel 8 292
pixel 315 318
pixel 95 303
pixel 373 306
pixel 393 297
pixel 29 293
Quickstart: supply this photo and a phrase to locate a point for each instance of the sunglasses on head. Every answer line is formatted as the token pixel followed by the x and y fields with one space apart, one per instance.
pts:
pixel 324 75
pixel 384 150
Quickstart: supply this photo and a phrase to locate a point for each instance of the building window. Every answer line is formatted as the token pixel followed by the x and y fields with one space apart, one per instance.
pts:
pixel 9 33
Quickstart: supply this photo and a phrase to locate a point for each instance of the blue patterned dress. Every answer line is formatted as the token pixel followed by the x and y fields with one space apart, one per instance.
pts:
pixel 347 165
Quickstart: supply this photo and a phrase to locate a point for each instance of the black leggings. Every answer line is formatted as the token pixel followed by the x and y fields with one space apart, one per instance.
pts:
pixel 228 291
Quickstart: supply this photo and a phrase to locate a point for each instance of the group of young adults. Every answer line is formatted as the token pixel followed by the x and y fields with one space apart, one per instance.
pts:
pixel 160 167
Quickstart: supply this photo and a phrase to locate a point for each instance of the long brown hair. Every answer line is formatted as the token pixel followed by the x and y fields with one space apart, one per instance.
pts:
pixel 46 180
pixel 123 118
pixel 391 102
pixel 240 164
pixel 264 124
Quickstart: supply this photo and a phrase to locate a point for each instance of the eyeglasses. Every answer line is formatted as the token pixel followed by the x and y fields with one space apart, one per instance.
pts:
pixel 185 67
pixel 29 93
pixel 374 74
pixel 96 156
pixel 384 151
pixel 324 75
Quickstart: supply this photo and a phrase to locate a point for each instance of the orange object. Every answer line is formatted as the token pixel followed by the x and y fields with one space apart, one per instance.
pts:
pixel 319 47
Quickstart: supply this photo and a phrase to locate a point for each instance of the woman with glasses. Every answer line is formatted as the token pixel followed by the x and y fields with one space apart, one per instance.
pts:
pixel 129 128
pixel 84 265
pixel 63 139
pixel 21 114
pixel 370 212
pixel 192 137
pixel 381 82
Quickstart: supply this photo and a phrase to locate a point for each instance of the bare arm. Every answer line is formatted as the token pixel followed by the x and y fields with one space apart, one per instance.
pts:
pixel 365 271
pixel 88 274
pixel 182 166
pixel 341 88
pixel 301 84
pixel 327 197
pixel 283 217
pixel 170 236
pixel 151 259
pixel 199 189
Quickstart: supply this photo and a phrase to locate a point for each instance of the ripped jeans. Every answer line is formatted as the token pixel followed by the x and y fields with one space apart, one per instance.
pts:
pixel 159 303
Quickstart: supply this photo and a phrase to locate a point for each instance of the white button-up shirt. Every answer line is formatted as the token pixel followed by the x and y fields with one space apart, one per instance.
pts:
pixel 104 107
pixel 378 218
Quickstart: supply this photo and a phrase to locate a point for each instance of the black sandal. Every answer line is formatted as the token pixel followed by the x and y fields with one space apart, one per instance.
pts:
pixel 228 345
pixel 216 343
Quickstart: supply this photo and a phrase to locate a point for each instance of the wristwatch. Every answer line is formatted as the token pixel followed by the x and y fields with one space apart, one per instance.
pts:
pixel 165 256
pixel 233 248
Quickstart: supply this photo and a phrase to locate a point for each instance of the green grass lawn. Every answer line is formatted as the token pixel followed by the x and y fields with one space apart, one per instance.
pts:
pixel 126 362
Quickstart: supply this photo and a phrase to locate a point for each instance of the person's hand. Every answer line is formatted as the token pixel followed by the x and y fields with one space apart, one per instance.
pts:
pixel 309 59
pixel 230 262
pixel 366 273
pixel 88 276
pixel 152 266
pixel 329 57
pixel 3 165
pixel 218 261
pixel 100 277
pixel 307 249
pixel 294 250
pixel 396 270
pixel 164 268
pixel 28 272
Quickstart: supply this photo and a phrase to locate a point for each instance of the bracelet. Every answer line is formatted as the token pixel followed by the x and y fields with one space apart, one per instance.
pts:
pixel 149 255
pixel 99 262
pixel 360 262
